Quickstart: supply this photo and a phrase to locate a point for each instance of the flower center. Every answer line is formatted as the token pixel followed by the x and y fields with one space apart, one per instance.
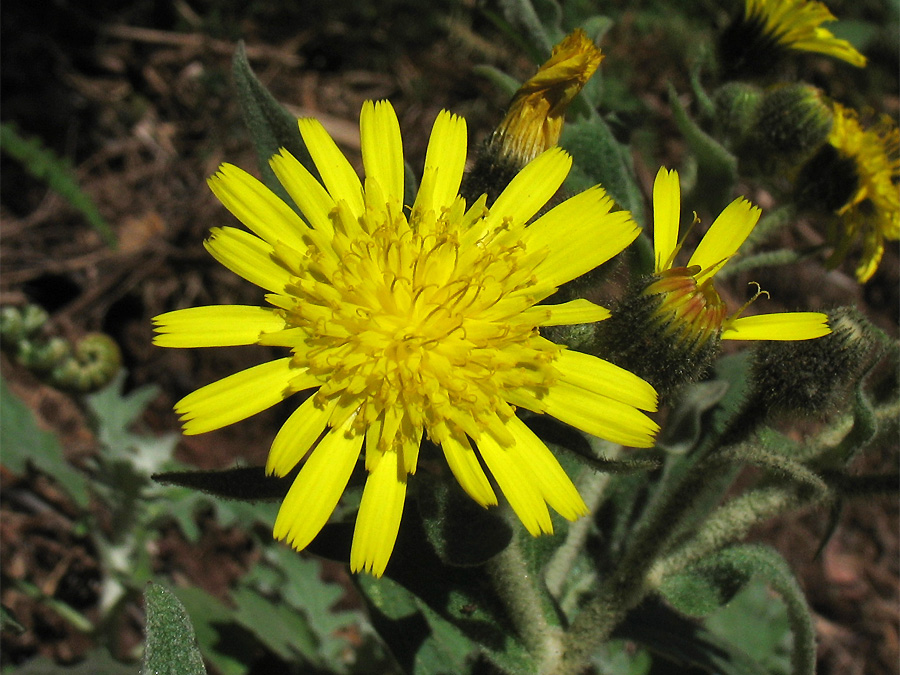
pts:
pixel 402 322
pixel 693 313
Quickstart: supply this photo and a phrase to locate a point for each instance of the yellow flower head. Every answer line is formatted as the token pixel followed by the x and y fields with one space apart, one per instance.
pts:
pixel 771 26
pixel 409 322
pixel 872 213
pixel 536 114
pixel 689 304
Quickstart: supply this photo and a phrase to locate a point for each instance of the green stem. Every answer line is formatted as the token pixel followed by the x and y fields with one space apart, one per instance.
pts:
pixel 560 566
pixel 517 586
pixel 628 585
pixel 732 522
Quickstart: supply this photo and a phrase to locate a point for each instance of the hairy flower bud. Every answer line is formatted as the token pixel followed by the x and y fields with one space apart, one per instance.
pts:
pixel 811 377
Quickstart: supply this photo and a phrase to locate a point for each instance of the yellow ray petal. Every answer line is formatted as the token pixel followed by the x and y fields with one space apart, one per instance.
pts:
pixel 318 487
pixel 308 194
pixel 530 190
pixel 382 148
pixel 517 485
pixel 567 313
pixel 248 256
pixel 599 415
pixel 467 470
pixel 556 487
pixel 724 237
pixel 239 396
pixel 297 435
pixel 605 378
pixel 666 216
pixel 216 326
pixel 445 161
pixel 379 516
pixel 257 207
pixel 581 235
pixel 784 326
pixel 337 174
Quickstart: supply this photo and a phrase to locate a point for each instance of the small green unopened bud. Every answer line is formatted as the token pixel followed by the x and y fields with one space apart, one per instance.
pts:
pixel 666 331
pixel 811 377
pixel 736 105
pixel 792 122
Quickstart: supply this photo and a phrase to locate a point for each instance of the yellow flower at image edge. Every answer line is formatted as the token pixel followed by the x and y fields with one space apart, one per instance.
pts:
pixel 689 303
pixel 797 24
pixel 872 213
pixel 404 323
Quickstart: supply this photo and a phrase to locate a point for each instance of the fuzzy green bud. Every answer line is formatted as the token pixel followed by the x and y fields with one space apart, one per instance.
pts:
pixel 792 122
pixel 810 377
pixel 665 330
pixel 736 106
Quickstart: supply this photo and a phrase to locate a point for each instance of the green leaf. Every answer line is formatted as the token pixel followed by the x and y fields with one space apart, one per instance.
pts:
pixel 46 165
pixel 98 662
pixel 462 532
pixel 25 443
pixel 171 646
pixel 758 625
pixel 271 126
pixel 245 483
pixel 226 648
pixel 677 640
pixel 8 621
pixel 684 424
pixel 421 641
pixel 115 412
pixel 283 630
pixel 599 158
pixel 715 580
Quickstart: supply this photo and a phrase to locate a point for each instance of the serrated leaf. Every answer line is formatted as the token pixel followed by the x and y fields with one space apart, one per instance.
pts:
pixel 115 412
pixel 171 647
pixel 25 443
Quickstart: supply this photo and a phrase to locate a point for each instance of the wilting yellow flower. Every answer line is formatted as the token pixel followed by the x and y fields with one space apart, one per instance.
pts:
pixel 410 322
pixel 872 213
pixel 690 304
pixel 536 113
